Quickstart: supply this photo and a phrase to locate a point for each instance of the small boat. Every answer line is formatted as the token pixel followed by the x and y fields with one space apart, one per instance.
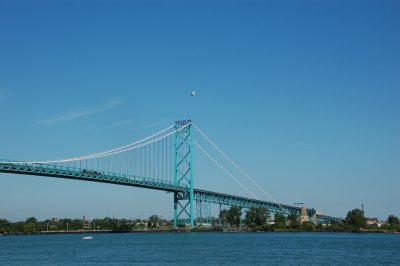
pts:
pixel 87 237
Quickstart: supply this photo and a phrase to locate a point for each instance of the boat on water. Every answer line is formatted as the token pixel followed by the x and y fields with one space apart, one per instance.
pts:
pixel 87 237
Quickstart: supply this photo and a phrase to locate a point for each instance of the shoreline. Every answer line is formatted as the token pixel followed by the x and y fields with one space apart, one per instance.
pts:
pixel 217 230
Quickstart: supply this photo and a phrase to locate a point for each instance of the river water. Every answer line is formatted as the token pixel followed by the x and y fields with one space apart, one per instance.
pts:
pixel 202 249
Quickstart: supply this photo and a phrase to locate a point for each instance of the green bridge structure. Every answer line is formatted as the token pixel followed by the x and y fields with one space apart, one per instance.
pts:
pixel 163 161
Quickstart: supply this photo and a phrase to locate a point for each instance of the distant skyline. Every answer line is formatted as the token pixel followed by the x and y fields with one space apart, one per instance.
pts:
pixel 303 95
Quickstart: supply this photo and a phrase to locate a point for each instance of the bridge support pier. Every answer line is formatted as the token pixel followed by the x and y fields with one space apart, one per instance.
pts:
pixel 308 215
pixel 203 216
pixel 183 174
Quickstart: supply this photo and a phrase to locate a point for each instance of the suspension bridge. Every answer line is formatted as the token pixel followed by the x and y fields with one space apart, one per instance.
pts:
pixel 162 161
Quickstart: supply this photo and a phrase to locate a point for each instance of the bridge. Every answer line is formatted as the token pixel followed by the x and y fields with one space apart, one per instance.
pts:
pixel 162 161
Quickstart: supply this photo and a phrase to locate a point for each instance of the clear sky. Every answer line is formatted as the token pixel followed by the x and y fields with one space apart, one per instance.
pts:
pixel 304 95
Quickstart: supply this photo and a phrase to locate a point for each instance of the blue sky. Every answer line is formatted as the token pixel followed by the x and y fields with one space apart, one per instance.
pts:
pixel 304 95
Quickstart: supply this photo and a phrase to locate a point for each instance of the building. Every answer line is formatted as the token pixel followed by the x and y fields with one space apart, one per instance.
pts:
pixel 374 221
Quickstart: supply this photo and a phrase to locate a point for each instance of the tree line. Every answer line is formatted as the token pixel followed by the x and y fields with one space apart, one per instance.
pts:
pixel 255 218
pixel 31 225
pixel 260 219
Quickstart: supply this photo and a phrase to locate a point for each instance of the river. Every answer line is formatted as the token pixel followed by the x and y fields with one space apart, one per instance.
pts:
pixel 202 249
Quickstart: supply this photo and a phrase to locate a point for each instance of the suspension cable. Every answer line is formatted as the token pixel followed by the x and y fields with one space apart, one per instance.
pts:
pixel 114 151
pixel 237 166
pixel 226 171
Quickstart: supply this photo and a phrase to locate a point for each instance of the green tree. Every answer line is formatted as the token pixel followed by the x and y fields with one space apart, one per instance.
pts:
pixel 393 223
pixel 67 223
pixel 231 216
pixel 154 221
pixel 123 225
pixel 319 227
pixel 279 218
pixel 294 220
pixel 256 216
pixel 223 217
pixel 355 218
pixel 5 226
pixel 18 227
pixel 234 215
pixel 215 221
pixel 309 226
pixel 31 225
pixel 393 220
pixel 280 221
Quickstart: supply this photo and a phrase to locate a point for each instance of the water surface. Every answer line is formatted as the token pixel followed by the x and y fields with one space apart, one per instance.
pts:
pixel 202 249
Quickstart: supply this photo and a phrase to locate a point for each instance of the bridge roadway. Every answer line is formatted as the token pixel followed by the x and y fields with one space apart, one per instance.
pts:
pixel 120 179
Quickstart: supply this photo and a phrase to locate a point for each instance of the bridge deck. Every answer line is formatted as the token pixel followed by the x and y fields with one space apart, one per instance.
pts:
pixel 119 179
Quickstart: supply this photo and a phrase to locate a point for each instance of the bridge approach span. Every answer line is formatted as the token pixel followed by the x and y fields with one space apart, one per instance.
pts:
pixel 201 196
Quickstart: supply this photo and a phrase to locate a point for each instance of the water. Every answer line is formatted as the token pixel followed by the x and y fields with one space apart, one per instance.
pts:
pixel 202 249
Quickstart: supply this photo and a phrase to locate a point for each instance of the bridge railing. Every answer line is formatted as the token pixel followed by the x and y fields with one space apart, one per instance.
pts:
pixel 8 166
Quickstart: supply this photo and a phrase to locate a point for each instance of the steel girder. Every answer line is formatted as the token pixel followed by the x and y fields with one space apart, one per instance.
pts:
pixel 324 219
pixel 203 213
pixel 87 175
pixel 183 174
pixel 243 202
pixel 181 192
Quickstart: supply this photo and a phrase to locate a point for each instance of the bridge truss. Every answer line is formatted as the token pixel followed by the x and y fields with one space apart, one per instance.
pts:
pixel 147 164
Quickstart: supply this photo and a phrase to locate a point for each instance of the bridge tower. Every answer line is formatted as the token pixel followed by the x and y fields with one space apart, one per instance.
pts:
pixel 183 174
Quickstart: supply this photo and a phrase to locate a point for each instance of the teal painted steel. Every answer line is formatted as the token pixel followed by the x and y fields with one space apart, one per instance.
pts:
pixel 88 175
pixel 175 182
pixel 183 175
pixel 203 215
pixel 324 219
pixel 191 200
pixel 179 190
pixel 230 200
